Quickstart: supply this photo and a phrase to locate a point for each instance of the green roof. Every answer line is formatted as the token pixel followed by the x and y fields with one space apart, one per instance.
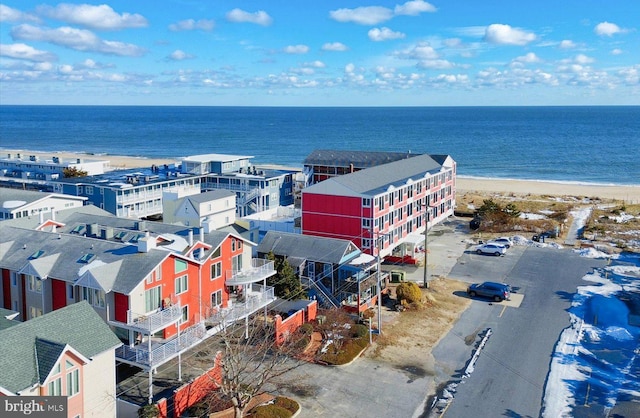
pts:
pixel 32 347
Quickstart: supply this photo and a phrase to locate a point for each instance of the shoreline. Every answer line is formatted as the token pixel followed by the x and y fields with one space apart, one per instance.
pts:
pixel 464 184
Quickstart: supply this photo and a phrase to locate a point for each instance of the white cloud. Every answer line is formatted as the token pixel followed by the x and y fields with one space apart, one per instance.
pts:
pixel 7 14
pixel 414 8
pixel 567 44
pixel 100 17
pixel 528 58
pixel 616 51
pixel 334 46
pixel 607 29
pixel 296 49
pixel 240 16
pixel 190 24
pixel 422 51
pixel 384 34
pixel 78 39
pixel 314 64
pixel 371 15
pixel 436 64
pixel 583 59
pixel 452 42
pixel 179 55
pixel 25 52
pixel 506 35
pixel 473 31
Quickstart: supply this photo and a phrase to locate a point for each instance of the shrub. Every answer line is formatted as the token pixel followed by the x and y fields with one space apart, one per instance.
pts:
pixel 359 331
pixel 288 404
pixel 271 411
pixel 306 328
pixel 149 411
pixel 409 292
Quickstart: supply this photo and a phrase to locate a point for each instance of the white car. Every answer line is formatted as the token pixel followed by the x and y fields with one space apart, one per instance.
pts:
pixel 490 248
pixel 504 241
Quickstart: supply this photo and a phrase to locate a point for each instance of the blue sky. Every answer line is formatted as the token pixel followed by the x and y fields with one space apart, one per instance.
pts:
pixel 321 53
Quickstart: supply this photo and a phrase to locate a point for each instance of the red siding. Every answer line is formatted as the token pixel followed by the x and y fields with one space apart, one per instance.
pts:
pixel 59 294
pixel 6 289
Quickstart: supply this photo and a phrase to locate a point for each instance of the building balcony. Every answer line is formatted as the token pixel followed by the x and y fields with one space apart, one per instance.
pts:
pixel 253 299
pixel 152 353
pixel 153 322
pixel 260 269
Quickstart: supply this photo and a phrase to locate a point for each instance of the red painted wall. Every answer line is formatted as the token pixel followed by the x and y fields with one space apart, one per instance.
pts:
pixel 6 289
pixel 58 294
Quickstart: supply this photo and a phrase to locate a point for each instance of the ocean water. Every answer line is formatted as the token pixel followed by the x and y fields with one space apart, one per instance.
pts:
pixel 566 144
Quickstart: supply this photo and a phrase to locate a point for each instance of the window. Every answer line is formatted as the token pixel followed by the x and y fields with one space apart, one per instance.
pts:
pixel 185 314
pixel 95 297
pixel 152 299
pixel 366 202
pixel 69 291
pixel 14 279
pixel 216 270
pixel 236 263
pixel 180 266
pixel 55 387
pixel 366 223
pixel 366 243
pixel 35 312
pixel 89 190
pixel 216 298
pixel 182 284
pixel 34 284
pixel 233 245
pixel 73 382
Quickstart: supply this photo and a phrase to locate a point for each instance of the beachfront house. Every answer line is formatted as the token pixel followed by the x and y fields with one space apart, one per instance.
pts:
pixel 210 210
pixel 383 209
pixel 69 352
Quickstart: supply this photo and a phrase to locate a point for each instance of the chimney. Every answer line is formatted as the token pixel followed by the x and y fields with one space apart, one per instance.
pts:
pixel 107 233
pixel 190 237
pixel 146 244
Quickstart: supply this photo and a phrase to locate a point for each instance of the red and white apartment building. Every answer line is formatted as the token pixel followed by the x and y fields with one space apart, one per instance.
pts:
pixel 383 209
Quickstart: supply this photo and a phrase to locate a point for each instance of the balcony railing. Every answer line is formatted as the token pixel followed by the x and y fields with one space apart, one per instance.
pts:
pixel 161 352
pixel 256 297
pixel 260 270
pixel 153 322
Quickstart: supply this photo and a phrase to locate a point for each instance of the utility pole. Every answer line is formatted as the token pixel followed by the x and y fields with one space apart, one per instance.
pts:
pixel 425 276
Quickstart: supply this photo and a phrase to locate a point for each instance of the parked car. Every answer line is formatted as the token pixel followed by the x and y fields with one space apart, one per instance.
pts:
pixel 504 241
pixel 489 248
pixel 492 290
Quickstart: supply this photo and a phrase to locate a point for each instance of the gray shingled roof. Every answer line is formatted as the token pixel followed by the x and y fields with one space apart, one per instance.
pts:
pixel 115 265
pixel 77 325
pixel 210 195
pixel 375 180
pixel 359 159
pixel 308 247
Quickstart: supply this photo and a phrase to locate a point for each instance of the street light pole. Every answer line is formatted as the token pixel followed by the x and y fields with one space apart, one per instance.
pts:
pixel 379 290
pixel 425 276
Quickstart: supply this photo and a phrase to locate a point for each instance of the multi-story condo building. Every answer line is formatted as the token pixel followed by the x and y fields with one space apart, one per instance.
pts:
pixel 162 288
pixel 379 208
pixel 138 193
pixel 323 164
pixel 16 203
pixel 21 167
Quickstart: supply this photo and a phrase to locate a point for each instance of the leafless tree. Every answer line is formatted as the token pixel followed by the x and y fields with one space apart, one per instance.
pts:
pixel 250 359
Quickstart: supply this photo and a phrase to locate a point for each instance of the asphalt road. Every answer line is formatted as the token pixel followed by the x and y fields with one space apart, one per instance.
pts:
pixel 509 376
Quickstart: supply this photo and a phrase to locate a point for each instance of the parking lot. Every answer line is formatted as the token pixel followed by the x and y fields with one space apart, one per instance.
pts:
pixel 510 374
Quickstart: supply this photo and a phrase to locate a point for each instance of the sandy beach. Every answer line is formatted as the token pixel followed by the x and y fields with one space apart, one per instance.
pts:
pixel 629 194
